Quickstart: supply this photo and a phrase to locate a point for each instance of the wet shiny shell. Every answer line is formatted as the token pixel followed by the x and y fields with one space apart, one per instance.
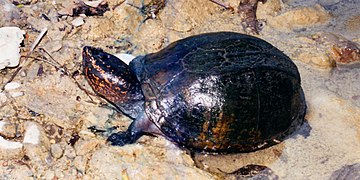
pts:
pixel 222 92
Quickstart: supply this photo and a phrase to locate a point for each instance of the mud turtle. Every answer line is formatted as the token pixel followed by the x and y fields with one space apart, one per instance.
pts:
pixel 214 92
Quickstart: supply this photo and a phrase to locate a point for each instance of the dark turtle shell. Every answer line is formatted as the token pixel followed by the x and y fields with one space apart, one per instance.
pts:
pixel 221 92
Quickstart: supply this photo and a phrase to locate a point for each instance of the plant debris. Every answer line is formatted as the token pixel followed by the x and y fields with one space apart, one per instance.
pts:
pixel 150 11
pixel 82 8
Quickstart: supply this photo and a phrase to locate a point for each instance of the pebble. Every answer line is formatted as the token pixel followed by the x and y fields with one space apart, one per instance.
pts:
pixel 10 39
pixel 78 21
pixel 56 151
pixel 70 152
pixel 12 86
pixel 8 130
pixel 16 94
pixel 36 143
pixel 32 134
pixel 10 149
pixel 93 3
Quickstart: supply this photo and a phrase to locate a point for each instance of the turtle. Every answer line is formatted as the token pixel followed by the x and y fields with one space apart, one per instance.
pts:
pixel 219 92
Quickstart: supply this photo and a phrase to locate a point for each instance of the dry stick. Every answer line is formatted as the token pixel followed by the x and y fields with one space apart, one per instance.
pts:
pixel 33 46
pixel 58 66
pixel 64 70
pixel 227 7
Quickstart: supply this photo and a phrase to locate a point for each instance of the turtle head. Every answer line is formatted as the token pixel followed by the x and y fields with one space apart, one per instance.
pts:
pixel 113 80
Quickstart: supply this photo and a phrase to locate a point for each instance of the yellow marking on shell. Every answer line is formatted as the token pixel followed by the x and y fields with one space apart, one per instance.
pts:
pixel 216 137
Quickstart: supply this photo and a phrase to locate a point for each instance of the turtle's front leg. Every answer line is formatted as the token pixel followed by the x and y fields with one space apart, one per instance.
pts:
pixel 140 126
pixel 126 137
pixel 247 11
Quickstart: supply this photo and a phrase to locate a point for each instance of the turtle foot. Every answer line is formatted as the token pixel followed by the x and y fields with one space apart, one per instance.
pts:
pixel 122 138
pixel 247 11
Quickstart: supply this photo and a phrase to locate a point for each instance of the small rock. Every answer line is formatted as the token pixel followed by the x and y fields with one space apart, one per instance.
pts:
pixel 69 152
pixel 341 51
pixel 32 134
pixel 10 149
pixel 10 39
pixel 78 21
pixel 8 130
pixel 16 94
pixel 36 143
pixel 93 3
pixel 12 86
pixel 56 151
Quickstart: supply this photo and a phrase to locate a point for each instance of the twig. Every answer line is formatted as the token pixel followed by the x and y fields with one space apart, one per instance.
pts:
pixel 57 65
pixel 44 60
pixel 227 7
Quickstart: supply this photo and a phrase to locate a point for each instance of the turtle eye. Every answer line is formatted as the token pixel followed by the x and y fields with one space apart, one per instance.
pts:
pixel 89 55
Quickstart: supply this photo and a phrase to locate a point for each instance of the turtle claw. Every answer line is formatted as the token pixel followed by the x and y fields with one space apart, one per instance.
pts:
pixel 122 138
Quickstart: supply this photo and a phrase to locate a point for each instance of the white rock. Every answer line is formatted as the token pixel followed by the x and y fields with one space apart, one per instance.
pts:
pixel 16 94
pixel 9 149
pixel 10 39
pixel 36 144
pixel 78 21
pixel 32 134
pixel 11 86
pixel 126 58
pixel 5 144
pixel 93 3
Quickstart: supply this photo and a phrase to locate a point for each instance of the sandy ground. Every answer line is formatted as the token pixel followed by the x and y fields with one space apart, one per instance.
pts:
pixel 44 121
